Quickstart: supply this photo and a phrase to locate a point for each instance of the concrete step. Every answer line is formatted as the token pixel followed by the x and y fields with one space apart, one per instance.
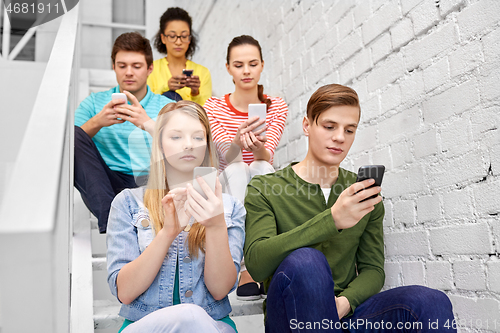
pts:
pixel 246 314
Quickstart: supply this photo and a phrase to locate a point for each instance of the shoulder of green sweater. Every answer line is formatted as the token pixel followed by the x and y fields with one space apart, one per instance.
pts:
pixel 271 178
pixel 349 177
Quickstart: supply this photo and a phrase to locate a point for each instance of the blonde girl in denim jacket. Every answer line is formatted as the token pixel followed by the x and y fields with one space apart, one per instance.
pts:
pixel 170 274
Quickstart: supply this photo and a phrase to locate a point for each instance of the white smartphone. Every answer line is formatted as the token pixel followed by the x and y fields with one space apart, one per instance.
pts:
pixel 209 175
pixel 121 96
pixel 259 110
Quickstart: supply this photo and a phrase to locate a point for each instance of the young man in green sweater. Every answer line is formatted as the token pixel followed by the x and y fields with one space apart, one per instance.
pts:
pixel 318 245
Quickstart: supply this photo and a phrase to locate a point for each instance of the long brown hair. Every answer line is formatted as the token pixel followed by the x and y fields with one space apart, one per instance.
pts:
pixel 157 186
pixel 249 40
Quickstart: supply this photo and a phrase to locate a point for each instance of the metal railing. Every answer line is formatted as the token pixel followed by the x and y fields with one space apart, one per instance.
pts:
pixel 36 214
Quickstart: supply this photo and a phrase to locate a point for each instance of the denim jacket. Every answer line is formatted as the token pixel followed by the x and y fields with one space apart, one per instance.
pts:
pixel 127 238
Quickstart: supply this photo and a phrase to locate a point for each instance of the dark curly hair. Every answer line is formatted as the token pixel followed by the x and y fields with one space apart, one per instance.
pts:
pixel 175 14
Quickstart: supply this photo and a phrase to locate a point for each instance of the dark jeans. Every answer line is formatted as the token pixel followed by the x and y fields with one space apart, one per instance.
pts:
pixel 172 95
pixel 301 292
pixel 97 183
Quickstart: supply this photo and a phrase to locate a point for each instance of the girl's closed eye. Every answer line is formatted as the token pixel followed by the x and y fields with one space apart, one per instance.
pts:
pixel 175 137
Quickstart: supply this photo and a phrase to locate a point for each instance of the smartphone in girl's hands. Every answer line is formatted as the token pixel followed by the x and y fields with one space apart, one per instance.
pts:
pixel 260 111
pixel 209 175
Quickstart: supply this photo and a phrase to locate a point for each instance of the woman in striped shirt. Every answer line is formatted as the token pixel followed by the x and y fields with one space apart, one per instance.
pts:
pixel 243 151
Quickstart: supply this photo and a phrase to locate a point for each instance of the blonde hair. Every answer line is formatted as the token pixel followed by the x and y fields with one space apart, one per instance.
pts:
pixel 157 186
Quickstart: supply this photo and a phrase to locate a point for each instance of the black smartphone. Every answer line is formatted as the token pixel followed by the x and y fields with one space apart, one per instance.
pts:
pixel 371 172
pixel 187 72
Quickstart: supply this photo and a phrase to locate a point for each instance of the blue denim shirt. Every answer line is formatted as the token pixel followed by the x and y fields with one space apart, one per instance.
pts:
pixel 127 238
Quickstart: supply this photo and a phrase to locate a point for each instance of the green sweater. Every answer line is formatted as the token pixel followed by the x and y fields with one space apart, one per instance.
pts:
pixel 284 213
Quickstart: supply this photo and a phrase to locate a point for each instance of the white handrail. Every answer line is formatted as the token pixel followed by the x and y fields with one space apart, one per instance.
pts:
pixel 38 165
pixel 5 34
pixel 35 216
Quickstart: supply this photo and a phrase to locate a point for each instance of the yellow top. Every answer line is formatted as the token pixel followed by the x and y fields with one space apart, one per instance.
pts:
pixel 158 80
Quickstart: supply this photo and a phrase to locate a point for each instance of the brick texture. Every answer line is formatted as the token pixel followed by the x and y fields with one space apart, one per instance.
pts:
pixel 428 75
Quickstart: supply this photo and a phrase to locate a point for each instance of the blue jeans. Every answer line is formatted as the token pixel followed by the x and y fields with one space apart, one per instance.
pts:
pixel 172 95
pixel 96 182
pixel 301 299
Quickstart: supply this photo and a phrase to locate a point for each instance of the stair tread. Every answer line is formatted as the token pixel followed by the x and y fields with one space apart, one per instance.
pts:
pixel 106 311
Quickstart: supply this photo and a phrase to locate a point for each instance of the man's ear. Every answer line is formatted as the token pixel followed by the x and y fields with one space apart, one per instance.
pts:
pixel 305 125
pixel 150 69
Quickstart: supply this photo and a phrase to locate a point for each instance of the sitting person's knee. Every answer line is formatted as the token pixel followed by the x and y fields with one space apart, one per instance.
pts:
pixel 188 313
pixel 308 261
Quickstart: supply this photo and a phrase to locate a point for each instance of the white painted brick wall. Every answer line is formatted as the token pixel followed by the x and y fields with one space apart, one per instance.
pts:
pixel 424 16
pixel 469 274
pixel 439 275
pixel 413 273
pixel 461 239
pixel 428 76
pixel 494 276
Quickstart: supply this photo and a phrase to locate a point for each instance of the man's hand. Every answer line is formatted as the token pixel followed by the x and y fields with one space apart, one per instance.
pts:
pixel 343 306
pixel 348 209
pixel 106 117
pixel 134 113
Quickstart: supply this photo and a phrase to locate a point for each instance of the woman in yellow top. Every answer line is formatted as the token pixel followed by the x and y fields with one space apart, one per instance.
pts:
pixel 177 40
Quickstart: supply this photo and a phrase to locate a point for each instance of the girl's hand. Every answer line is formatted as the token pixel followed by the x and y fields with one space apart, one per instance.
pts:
pixel 180 198
pixel 208 212
pixel 177 82
pixel 248 126
pixel 171 225
pixel 253 143
pixel 193 82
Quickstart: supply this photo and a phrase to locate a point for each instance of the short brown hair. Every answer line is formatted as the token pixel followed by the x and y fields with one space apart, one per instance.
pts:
pixel 133 42
pixel 328 96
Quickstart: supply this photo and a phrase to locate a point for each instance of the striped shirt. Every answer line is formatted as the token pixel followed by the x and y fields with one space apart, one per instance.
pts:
pixel 124 147
pixel 225 119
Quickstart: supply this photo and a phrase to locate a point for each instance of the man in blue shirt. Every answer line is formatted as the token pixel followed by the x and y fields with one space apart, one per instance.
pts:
pixel 112 137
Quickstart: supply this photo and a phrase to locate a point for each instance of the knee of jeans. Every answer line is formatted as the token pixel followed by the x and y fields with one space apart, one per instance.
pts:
pixel 424 298
pixel 433 298
pixel 308 261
